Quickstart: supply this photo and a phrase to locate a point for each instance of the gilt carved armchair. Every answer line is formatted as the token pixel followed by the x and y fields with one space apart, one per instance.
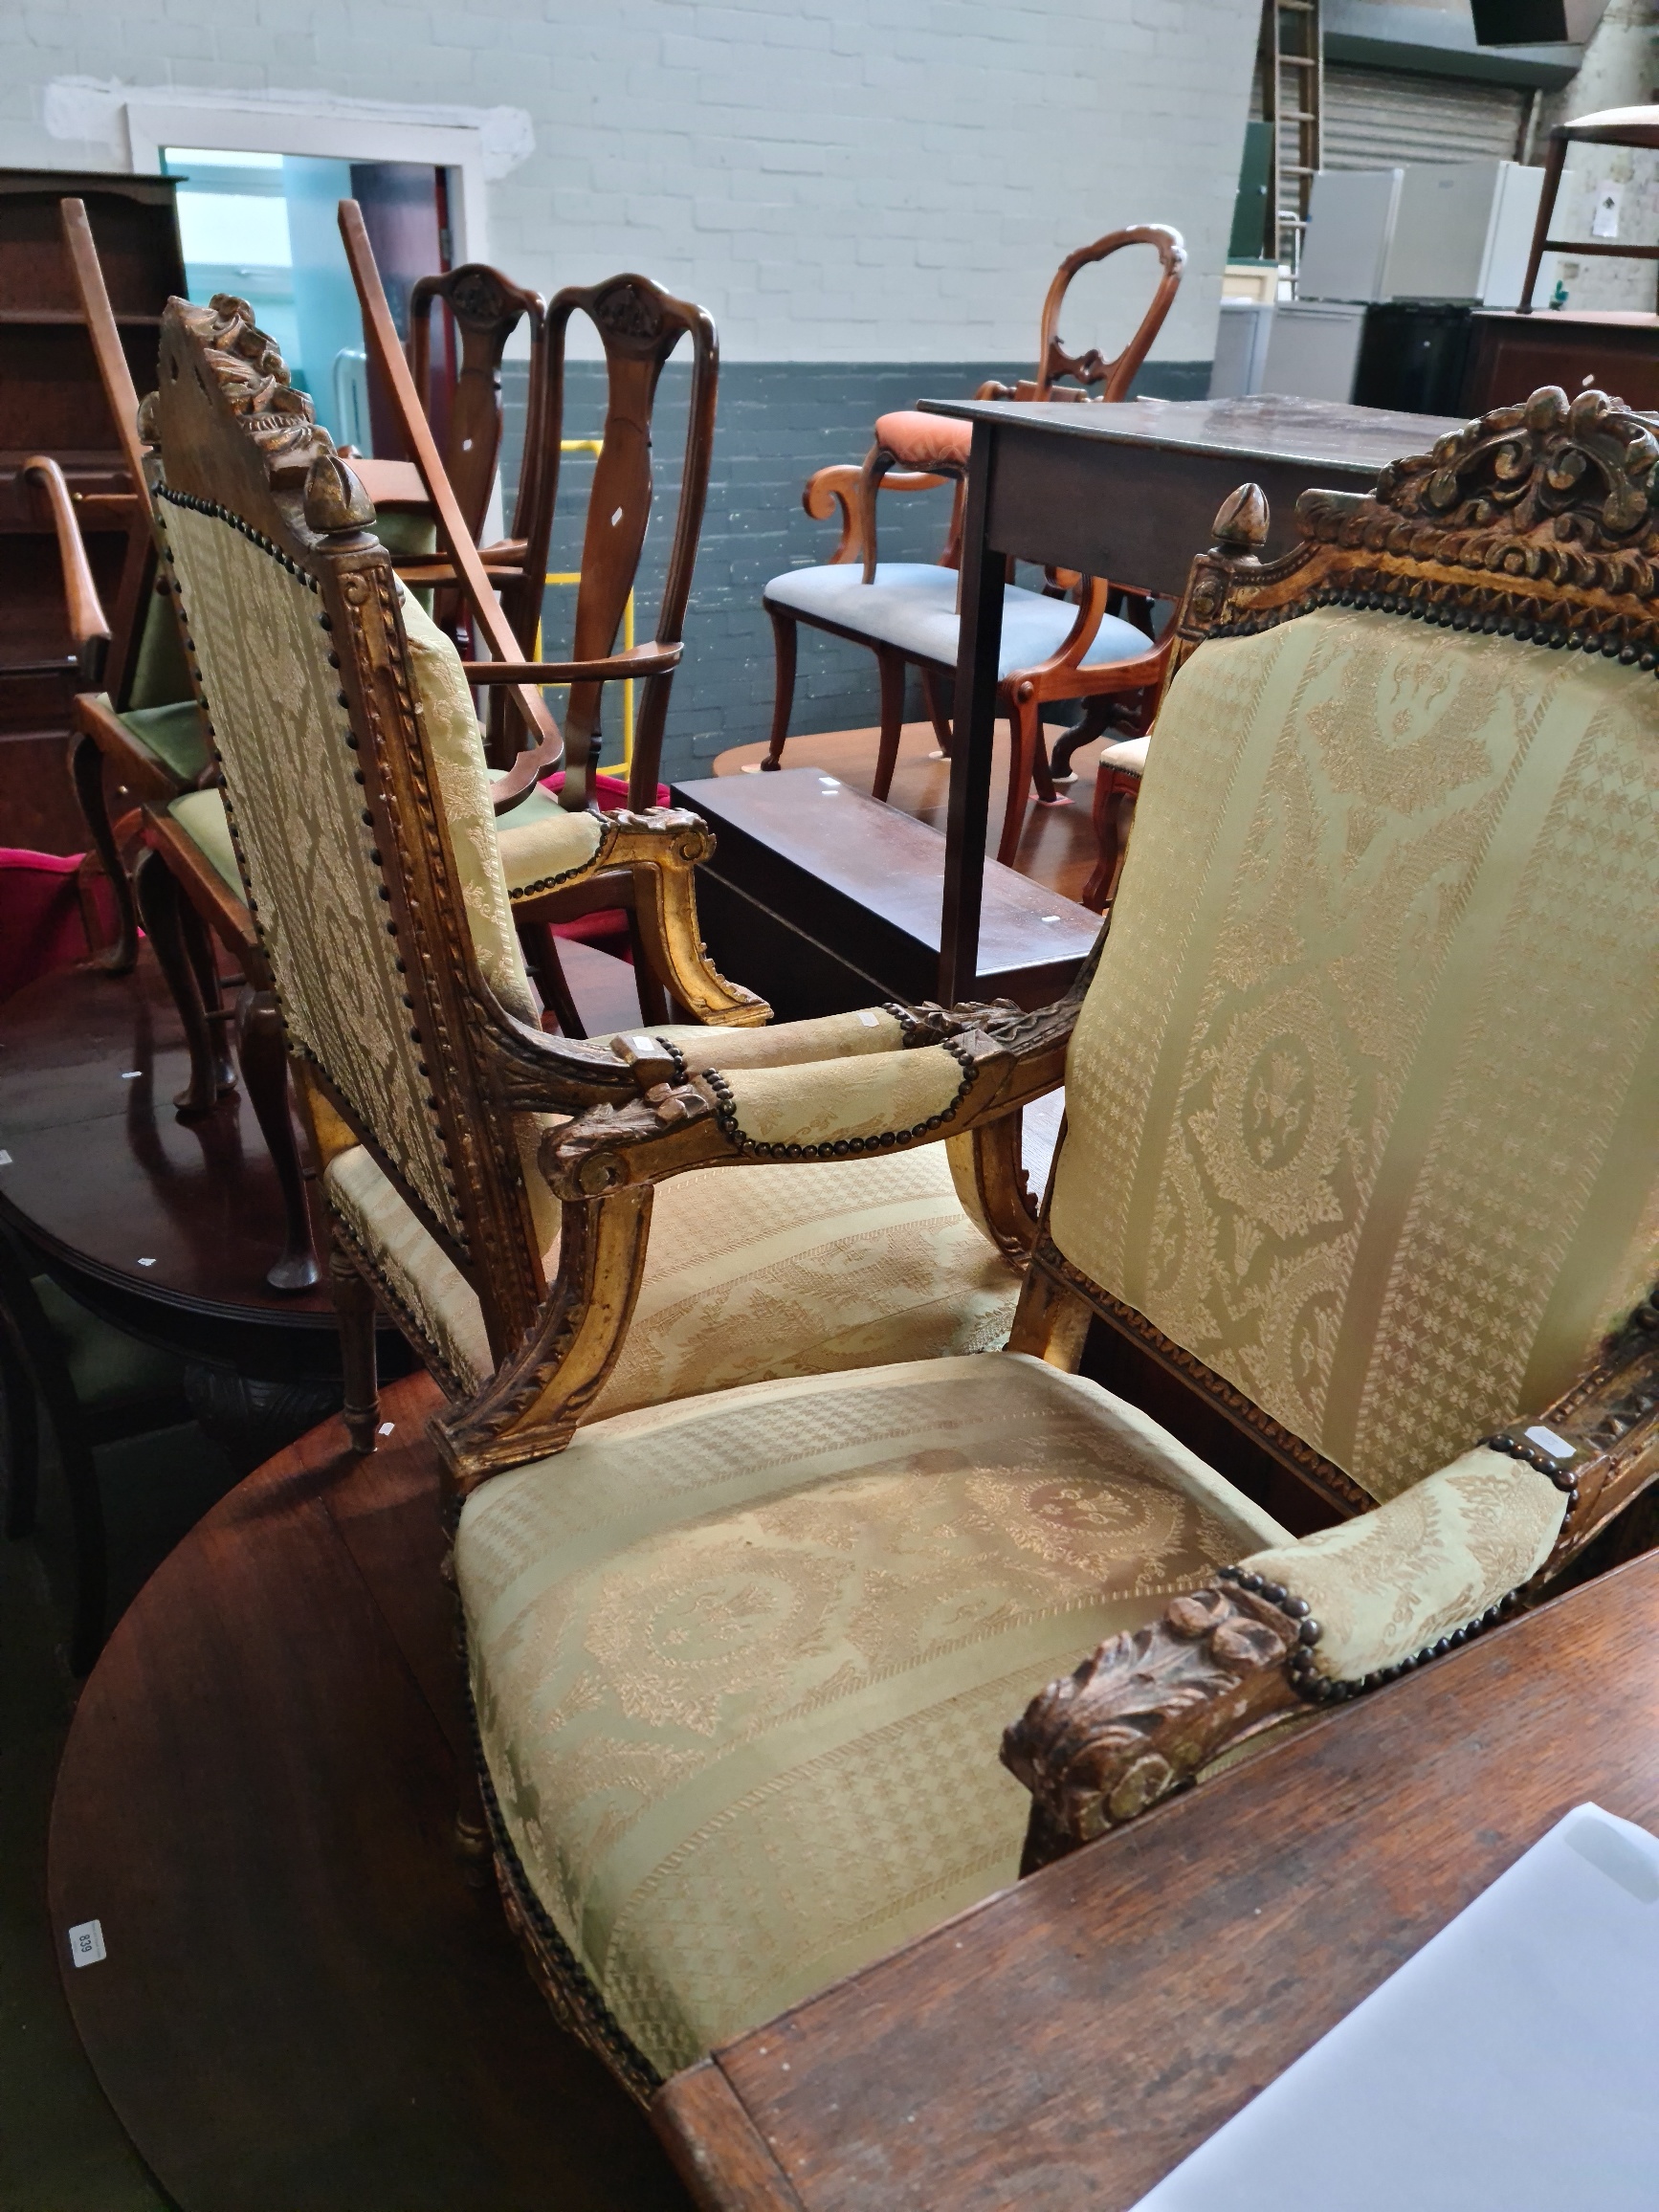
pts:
pixel 358 802
pixel 1361 1168
pixel 1080 639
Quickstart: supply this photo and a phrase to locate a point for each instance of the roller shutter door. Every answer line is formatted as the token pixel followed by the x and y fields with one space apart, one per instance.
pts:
pixel 1376 117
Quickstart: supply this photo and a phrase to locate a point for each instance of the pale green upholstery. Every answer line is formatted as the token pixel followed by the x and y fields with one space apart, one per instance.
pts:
pixel 1373 1048
pixel 751 1273
pixel 1361 1110
pixel 200 816
pixel 173 734
pixel 740 1664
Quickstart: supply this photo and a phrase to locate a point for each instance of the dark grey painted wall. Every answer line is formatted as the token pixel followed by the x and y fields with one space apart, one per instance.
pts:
pixel 777 423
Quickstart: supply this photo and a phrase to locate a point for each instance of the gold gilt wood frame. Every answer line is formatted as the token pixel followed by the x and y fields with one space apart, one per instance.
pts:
pixel 1539 522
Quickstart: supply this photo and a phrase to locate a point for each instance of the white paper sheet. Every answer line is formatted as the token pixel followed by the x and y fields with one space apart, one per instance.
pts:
pixel 1511 2066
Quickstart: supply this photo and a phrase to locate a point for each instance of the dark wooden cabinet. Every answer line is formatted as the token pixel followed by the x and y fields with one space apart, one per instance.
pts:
pixel 1511 356
pixel 51 401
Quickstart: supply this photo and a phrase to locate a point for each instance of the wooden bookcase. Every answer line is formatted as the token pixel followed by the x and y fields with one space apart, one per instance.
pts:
pixel 51 400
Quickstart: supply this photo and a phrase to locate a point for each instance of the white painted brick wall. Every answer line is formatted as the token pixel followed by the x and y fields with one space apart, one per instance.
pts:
pixel 837 180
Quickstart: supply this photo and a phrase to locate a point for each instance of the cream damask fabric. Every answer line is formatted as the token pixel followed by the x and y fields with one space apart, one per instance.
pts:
pixel 742 1664
pixel 785 1043
pixel 862 1097
pixel 1361 1102
pixel 457 750
pixel 1395 1581
pixel 540 843
pixel 281 735
pixel 751 1271
pixel 200 816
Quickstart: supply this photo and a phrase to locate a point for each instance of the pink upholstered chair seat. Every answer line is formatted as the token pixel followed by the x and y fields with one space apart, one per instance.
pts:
pixel 924 441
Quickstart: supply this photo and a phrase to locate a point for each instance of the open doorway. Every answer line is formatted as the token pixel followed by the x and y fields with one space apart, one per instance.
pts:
pixel 263 225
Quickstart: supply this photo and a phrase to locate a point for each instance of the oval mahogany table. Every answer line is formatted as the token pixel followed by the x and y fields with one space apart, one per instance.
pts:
pixel 303 2006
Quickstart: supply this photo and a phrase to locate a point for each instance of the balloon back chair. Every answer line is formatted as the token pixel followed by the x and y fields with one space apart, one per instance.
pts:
pixel 1360 1176
pixel 1079 638
pixel 358 801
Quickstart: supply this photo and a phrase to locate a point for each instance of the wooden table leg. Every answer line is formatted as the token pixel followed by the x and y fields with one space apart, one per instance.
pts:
pixel 976 709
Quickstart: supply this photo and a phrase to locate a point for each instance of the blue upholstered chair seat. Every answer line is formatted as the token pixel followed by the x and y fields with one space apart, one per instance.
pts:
pixel 912 606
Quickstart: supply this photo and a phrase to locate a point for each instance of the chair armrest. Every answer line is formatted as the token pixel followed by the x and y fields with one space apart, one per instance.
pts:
pixel 1305 1624
pixel 511 789
pixel 842 485
pixel 88 624
pixel 639 660
pixel 1316 1623
pixel 992 1061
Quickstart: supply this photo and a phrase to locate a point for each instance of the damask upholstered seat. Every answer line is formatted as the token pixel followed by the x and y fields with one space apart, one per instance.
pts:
pixel 740 1666
pixel 1360 1140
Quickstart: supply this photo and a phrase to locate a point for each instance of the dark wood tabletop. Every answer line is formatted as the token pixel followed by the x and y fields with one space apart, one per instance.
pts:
pixel 1065 2044
pixel 1127 491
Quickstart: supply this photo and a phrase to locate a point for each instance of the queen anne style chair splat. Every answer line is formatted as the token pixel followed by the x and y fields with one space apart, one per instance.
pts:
pixel 1361 1163
pixel 1070 641
pixel 640 326
pixel 358 801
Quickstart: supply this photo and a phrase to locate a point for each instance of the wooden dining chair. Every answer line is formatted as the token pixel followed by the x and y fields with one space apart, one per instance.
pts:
pixel 1353 1222
pixel 1080 639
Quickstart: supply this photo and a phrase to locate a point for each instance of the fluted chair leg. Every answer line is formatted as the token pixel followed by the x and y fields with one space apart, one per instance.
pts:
pixel 263 1055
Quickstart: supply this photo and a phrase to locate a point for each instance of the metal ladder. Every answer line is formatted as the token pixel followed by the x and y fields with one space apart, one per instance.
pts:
pixel 1293 90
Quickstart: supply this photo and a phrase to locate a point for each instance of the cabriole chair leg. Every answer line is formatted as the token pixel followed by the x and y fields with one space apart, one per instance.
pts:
pixel 159 905
pixel 86 771
pixel 892 666
pixel 783 640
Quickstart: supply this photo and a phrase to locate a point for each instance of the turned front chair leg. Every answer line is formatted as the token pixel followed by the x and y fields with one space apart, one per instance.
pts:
pixel 892 666
pixel 784 642
pixel 86 771
pixel 263 1053
pixel 354 1312
pixel 159 905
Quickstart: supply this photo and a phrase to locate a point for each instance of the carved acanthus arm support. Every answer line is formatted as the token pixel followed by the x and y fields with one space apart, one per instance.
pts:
pixel 1316 1623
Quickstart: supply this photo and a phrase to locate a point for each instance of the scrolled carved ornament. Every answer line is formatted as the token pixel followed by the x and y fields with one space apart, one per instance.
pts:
pixel 1539 521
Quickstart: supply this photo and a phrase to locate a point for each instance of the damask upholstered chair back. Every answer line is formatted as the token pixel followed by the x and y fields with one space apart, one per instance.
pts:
pixel 1362 1107
pixel 359 805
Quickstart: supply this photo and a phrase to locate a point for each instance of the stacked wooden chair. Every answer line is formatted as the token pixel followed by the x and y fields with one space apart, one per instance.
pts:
pixel 639 326
pixel 1361 1168
pixel 1080 639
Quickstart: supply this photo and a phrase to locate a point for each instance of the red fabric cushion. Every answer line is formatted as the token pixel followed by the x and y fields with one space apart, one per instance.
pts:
pixel 40 924
pixel 925 441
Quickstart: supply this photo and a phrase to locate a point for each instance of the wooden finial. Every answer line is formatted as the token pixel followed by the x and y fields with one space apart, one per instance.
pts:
pixel 1241 527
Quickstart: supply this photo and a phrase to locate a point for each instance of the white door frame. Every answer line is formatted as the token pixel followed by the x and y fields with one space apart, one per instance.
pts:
pixel 331 130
